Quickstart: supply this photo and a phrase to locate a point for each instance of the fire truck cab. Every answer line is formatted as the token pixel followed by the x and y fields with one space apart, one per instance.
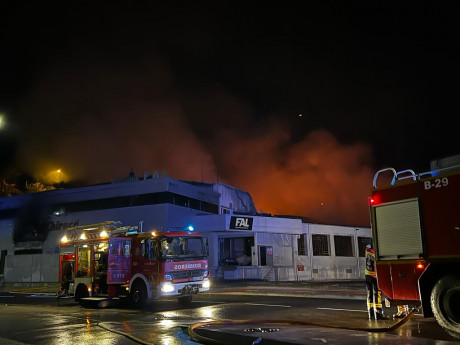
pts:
pixel 415 221
pixel 110 260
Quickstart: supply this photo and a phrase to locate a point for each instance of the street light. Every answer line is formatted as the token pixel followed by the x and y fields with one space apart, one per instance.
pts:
pixel 59 175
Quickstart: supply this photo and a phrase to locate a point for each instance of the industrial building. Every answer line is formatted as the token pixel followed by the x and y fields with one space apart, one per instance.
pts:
pixel 242 243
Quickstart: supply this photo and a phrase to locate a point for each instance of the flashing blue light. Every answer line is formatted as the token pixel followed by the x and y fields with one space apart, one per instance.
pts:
pixel 190 228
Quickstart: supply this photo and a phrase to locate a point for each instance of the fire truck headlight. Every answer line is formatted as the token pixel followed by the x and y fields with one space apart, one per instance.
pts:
pixel 206 284
pixel 167 287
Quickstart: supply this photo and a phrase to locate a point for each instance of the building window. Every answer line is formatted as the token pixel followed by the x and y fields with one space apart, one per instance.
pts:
pixel 134 200
pixel 362 243
pixel 320 245
pixel 238 248
pixel 301 244
pixel 343 245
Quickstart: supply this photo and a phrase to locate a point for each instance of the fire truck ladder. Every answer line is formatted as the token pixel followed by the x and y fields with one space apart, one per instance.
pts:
pixel 109 225
pixel 114 227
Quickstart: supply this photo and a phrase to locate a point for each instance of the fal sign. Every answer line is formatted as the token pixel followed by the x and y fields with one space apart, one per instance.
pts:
pixel 241 223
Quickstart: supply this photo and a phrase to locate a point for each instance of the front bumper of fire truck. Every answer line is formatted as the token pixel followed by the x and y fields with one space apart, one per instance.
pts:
pixel 184 288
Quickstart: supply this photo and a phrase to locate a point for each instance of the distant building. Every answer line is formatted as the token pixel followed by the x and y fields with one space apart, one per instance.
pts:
pixel 242 243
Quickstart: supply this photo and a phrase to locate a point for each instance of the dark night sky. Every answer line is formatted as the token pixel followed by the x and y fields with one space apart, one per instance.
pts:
pixel 215 88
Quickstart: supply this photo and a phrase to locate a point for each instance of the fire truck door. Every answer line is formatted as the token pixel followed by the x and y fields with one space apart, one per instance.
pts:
pixel 119 260
pixel 66 268
pixel 83 261
pixel 151 265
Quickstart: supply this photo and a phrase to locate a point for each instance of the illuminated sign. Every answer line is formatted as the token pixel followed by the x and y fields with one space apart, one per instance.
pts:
pixel 187 266
pixel 241 223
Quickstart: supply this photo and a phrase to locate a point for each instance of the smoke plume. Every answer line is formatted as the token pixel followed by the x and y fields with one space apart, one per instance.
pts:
pixel 96 121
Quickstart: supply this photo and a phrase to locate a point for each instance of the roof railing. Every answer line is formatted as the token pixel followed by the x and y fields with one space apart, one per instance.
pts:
pixel 397 175
pixel 402 175
pixel 374 183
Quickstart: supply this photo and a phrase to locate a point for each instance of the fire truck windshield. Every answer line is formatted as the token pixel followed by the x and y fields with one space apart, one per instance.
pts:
pixel 183 247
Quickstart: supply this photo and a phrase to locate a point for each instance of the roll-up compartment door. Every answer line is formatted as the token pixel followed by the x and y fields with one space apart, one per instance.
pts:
pixel 398 230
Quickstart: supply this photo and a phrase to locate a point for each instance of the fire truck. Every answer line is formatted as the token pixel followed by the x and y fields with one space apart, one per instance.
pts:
pixel 415 220
pixel 114 261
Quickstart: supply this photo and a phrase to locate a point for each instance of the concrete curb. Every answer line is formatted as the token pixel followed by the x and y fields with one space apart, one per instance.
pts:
pixel 329 289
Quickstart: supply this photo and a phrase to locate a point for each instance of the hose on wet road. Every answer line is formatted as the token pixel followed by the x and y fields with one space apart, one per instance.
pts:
pixel 195 336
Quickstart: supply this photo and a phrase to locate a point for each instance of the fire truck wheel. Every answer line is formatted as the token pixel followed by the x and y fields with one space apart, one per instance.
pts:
pixel 184 300
pixel 81 292
pixel 138 295
pixel 445 303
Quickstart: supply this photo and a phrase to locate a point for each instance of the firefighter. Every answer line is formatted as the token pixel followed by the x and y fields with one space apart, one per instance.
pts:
pixel 374 295
pixel 67 276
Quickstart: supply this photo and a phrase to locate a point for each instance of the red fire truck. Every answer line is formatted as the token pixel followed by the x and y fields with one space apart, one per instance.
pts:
pixel 110 260
pixel 415 221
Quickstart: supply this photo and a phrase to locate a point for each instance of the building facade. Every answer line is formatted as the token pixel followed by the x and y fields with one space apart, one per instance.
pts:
pixel 283 249
pixel 242 243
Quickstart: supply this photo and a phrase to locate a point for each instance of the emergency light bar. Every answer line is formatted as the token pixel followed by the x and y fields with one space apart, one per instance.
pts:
pixel 180 228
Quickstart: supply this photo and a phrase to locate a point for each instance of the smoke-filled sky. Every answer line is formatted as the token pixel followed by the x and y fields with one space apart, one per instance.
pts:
pixel 298 104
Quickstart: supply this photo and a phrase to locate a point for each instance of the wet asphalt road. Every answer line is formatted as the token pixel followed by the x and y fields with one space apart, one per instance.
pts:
pixel 29 318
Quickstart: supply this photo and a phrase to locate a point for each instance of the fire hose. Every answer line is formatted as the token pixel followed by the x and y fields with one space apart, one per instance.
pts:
pixel 206 340
pixel 194 336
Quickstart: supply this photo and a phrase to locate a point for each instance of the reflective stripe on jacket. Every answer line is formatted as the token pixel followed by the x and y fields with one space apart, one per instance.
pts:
pixel 370 263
